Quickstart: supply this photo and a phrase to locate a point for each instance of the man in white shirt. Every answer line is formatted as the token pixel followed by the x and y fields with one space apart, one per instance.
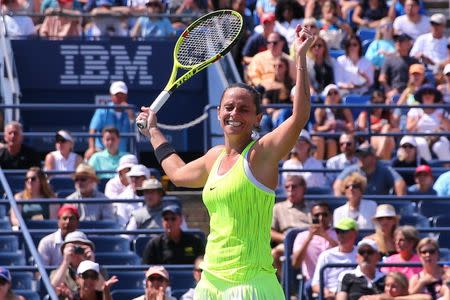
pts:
pixel 116 185
pixel 346 158
pixel 412 23
pixel 431 47
pixel 345 252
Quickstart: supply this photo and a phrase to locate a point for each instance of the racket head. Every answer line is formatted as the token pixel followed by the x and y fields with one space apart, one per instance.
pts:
pixel 208 38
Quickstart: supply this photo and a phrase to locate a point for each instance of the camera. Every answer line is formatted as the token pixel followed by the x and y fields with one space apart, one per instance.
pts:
pixel 315 221
pixel 78 250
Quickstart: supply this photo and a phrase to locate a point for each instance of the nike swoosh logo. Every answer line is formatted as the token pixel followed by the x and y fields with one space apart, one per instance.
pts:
pixel 212 188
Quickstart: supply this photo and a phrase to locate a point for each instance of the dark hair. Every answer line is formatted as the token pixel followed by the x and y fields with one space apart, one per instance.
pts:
pixel 322 204
pixel 292 5
pixel 256 96
pixel 112 130
pixel 348 41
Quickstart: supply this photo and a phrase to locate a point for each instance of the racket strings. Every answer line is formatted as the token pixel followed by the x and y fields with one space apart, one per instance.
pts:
pixel 209 38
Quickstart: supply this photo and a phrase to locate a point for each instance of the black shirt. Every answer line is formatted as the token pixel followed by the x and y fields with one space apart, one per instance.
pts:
pixel 25 159
pixel 408 176
pixel 356 285
pixel 162 250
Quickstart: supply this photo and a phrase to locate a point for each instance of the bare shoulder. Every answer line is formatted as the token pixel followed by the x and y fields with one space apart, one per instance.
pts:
pixel 211 156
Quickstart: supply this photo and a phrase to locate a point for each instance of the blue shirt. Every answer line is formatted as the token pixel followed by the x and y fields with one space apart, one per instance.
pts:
pixel 442 184
pixel 104 117
pixel 380 182
pixel 104 161
pixel 372 54
pixel 414 190
pixel 155 28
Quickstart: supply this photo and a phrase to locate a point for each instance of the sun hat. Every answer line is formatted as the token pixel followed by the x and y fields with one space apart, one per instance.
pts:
pixel 127 161
pixel 77 236
pixel 385 210
pixel 158 270
pixel 149 184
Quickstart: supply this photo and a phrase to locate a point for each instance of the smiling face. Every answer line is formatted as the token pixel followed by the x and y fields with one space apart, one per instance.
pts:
pixel 237 112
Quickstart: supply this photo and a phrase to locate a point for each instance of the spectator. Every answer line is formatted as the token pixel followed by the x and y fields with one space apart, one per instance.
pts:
pixel 346 158
pixel 265 6
pixel 136 177
pixel 16 25
pixel 103 24
pixel 394 70
pixel 173 246
pixel 257 42
pixel 6 291
pixel 380 179
pixel 310 243
pixel 345 252
pixel 156 284
pixel 289 14
pixel 365 279
pixel 331 120
pixel 333 28
pixel 153 25
pixel 369 13
pixel 75 249
pixel 149 216
pixel 55 5
pixel 429 280
pixel 415 81
pixel 301 158
pixel 397 8
pixel 86 187
pixel 356 73
pixel 444 88
pixel 383 45
pixel 108 159
pixel 88 274
pixel 13 153
pixel 113 116
pixel 412 22
pixel 431 47
pixel 313 8
pixel 61 26
pixel 408 157
pixel 424 182
pixel 291 213
pixel 63 158
pixel 50 245
pixel 116 185
pixel 36 187
pixel 197 273
pixel 321 67
pixel 385 221
pixel 356 208
pixel 406 239
pixel 190 7
pixel 381 121
pixel 262 65
pixel 429 120
pixel 441 185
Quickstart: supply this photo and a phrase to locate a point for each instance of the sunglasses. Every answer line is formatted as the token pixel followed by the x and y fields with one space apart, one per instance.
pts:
pixel 346 144
pixel 430 251
pixel 292 186
pixel 156 278
pixel 86 275
pixel 333 93
pixel 32 178
pixel 353 186
pixel 324 215
pixel 170 219
pixel 405 146
pixel 340 231
pixel 363 252
pixel 81 179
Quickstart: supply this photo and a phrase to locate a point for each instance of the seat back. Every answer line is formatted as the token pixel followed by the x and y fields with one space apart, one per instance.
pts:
pixel 126 294
pixel 356 99
pixel 433 208
pixel 102 224
pixel 27 294
pixel 110 243
pixel 9 243
pixel 111 258
pixel 16 258
pixel 22 280
pixel 5 225
pixel 416 220
pixel 61 183
pixel 134 280
pixel 42 224
pixel 289 274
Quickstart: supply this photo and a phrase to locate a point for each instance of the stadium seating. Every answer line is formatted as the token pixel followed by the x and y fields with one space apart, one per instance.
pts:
pixel 28 295
pixel 433 208
pixel 126 294
pixel 289 274
pixel 61 183
pixel 443 237
pixel 2 211
pixel 110 243
pixel 416 220
pixel 356 99
pixel 128 280
pixel 9 243
pixel 22 280
pixel 102 224
pixel 4 224
pixel 366 34
pixel 42 224
pixel 122 258
pixel 13 258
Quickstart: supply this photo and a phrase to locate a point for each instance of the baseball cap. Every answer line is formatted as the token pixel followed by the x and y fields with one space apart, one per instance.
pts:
pixel 368 242
pixel 346 224
pixel 438 19
pixel 304 135
pixel 149 184
pixel 118 87
pixel 68 207
pixel 328 88
pixel 402 37
pixel 77 236
pixel 5 274
pixel 157 270
pixel 87 265
pixel 62 136
pixel 423 169
pixel 408 139
pixel 364 149
pixel 127 161
pixel 267 17
pixel 139 170
pixel 416 68
pixel 175 209
pixel 446 69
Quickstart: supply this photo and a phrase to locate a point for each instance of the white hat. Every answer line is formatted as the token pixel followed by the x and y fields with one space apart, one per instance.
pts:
pixel 328 88
pixel 304 134
pixel 438 19
pixel 139 170
pixel 87 265
pixel 118 87
pixel 371 243
pixel 127 161
pixel 408 139
pixel 446 69
pixel 77 236
pixel 65 135
pixel 385 210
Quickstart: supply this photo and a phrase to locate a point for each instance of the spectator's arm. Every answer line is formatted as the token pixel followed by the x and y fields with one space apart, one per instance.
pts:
pixel 356 17
pixel 276 236
pixel 49 163
pixel 337 187
pixel 309 8
pixel 400 187
pixel 341 296
pixel 58 277
pixel 392 14
pixel 299 256
pixel 91 148
pixel 136 31
pixel 108 212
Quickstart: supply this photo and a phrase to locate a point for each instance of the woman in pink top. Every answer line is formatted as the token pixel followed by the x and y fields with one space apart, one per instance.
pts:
pixel 406 239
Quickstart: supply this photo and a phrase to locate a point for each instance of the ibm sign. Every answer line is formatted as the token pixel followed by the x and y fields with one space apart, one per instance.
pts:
pixel 105 63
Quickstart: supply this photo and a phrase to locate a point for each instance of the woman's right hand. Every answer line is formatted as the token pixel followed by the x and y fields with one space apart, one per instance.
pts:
pixel 303 41
pixel 150 117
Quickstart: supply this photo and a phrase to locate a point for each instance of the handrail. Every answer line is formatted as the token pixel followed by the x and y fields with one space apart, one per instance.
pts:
pixel 104 231
pixel 27 237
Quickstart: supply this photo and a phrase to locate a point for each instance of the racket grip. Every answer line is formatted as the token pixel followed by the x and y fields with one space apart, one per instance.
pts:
pixel 155 107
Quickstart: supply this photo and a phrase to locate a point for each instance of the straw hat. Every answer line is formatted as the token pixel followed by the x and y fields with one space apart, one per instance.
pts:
pixel 385 210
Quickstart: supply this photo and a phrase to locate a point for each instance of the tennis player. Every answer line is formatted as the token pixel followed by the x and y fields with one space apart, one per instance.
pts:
pixel 238 181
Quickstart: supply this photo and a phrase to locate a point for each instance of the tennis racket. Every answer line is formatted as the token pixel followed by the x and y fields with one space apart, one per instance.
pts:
pixel 202 43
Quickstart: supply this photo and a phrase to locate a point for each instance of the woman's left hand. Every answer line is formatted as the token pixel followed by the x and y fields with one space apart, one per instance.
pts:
pixel 303 40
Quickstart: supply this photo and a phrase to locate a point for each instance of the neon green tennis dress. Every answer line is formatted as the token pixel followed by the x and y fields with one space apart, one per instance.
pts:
pixel 238 261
